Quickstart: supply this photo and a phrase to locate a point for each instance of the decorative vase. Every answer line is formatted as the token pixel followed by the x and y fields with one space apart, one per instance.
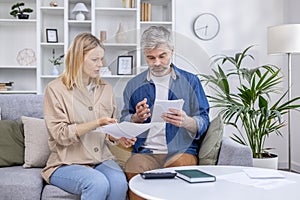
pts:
pixel 55 70
pixel 267 162
pixel 102 36
pixel 120 35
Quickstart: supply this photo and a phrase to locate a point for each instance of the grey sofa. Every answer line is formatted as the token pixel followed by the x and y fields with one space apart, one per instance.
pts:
pixel 17 182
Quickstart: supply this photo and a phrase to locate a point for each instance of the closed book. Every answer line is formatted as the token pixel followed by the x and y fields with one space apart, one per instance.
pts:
pixel 142 11
pixel 195 176
pixel 146 12
pixel 149 12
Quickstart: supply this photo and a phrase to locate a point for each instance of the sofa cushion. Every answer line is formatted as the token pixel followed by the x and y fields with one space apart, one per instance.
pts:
pixel 19 183
pixel 36 142
pixel 13 106
pixel 11 143
pixel 53 192
pixel 233 153
pixel 210 147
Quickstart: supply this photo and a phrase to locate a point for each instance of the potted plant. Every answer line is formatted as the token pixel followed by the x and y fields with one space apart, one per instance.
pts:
pixel 16 10
pixel 56 61
pixel 244 98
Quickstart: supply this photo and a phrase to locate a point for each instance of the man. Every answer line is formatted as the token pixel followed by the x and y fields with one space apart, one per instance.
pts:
pixel 176 140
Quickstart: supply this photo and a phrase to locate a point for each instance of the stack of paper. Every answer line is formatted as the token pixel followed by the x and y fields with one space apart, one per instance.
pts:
pixel 263 173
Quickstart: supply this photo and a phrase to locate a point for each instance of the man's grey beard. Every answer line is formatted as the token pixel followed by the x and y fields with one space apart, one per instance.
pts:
pixel 160 74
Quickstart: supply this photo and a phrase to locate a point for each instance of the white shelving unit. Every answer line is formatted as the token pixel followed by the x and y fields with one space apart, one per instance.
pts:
pixel 49 18
pixel 18 36
pixel 103 15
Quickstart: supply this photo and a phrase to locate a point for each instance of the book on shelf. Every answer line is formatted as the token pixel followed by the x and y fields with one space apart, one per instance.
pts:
pixel 195 176
pixel 132 3
pixel 3 87
pixel 146 11
pixel 6 86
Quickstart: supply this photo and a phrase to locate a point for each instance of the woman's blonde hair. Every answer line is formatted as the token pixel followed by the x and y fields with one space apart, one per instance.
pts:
pixel 81 45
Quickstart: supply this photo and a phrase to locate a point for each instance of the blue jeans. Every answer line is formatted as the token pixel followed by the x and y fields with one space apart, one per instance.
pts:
pixel 105 181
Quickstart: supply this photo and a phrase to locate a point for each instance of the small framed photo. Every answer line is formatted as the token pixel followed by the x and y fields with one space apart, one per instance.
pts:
pixel 125 65
pixel 51 35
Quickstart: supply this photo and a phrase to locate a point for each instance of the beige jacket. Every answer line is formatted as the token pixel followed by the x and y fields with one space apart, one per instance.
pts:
pixel 63 109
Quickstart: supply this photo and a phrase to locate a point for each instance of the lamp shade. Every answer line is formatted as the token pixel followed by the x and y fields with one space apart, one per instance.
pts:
pixel 284 39
pixel 80 7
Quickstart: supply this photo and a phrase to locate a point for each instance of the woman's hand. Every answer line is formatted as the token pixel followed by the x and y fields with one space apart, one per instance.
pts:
pixel 125 142
pixel 106 120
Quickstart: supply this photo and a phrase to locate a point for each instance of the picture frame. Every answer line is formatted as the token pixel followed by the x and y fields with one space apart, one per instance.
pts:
pixel 125 65
pixel 51 35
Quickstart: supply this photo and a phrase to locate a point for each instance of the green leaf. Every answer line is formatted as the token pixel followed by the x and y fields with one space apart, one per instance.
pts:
pixel 262 102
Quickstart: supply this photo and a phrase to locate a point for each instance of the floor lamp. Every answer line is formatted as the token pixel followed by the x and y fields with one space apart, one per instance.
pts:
pixel 285 39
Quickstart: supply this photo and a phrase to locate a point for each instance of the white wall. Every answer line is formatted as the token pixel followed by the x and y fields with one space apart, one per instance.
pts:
pixel 244 23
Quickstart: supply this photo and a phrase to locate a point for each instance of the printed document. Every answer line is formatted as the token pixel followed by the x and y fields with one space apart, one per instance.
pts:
pixel 163 106
pixel 124 129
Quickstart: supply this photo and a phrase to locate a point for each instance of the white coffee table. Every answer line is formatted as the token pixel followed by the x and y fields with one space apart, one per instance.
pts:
pixel 224 188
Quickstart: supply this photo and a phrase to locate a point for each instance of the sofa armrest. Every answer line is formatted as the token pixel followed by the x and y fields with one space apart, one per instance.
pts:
pixel 233 153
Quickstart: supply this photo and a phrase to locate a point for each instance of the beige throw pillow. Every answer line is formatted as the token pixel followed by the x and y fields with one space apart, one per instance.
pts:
pixel 210 148
pixel 121 154
pixel 36 142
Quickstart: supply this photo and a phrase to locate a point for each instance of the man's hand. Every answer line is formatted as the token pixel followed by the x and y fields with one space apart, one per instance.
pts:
pixel 142 112
pixel 180 119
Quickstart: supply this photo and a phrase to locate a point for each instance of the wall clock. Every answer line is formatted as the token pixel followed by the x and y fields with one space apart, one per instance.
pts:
pixel 206 26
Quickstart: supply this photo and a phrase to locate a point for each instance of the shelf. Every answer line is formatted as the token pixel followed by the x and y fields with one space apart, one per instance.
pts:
pixel 116 11
pixel 17 21
pixel 156 23
pixel 49 76
pixel 76 22
pixel 119 44
pixel 117 76
pixel 52 8
pixel 110 76
pixel 59 44
pixel 18 92
pixel 18 67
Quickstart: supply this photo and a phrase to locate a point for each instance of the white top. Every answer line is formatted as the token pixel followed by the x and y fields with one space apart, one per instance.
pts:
pixel 156 140
pixel 231 183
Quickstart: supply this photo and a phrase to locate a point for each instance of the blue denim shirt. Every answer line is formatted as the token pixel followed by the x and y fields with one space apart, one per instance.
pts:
pixel 184 86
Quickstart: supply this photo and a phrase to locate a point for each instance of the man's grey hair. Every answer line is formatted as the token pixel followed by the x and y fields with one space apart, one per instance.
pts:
pixel 156 36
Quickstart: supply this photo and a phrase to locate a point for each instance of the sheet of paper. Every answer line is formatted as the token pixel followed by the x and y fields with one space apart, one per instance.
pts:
pixel 161 106
pixel 263 173
pixel 267 183
pixel 124 129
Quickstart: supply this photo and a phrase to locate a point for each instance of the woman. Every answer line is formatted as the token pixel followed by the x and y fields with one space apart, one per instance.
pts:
pixel 75 104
